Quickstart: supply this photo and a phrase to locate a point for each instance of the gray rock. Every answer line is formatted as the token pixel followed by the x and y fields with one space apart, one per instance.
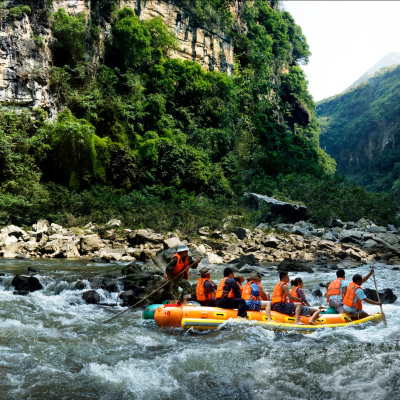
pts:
pixel 79 285
pixel 114 223
pixel 337 223
pixel 294 266
pixel 263 226
pixel 22 256
pixel 371 245
pixel 172 243
pixel 42 226
pixel 216 235
pixel 241 233
pixel 391 228
pixel 387 238
pixel 143 236
pixel 91 243
pixel 386 297
pixel 270 242
pixel 351 236
pixel 277 210
pixel 28 283
pixel 13 230
pixel 91 297
pixel 204 231
pixel 376 229
pixel 317 293
pixel 248 259
pixel 331 236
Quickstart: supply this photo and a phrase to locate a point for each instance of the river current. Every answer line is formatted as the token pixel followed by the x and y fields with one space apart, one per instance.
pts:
pixel 54 346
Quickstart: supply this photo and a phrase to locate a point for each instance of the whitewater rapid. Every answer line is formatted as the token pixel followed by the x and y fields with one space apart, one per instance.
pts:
pixel 54 346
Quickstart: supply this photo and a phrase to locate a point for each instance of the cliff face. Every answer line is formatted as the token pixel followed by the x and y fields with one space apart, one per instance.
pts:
pixel 25 62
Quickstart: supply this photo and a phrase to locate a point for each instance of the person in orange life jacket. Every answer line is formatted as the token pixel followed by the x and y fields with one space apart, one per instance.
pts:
pixel 306 309
pixel 228 294
pixel 252 293
pixel 179 262
pixel 336 291
pixel 205 290
pixel 239 279
pixel 279 299
pixel 352 301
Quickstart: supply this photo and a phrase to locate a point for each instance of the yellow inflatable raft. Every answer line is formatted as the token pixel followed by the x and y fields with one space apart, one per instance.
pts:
pixel 204 318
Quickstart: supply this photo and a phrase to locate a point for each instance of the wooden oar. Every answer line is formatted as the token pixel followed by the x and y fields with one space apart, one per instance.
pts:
pixel 377 293
pixel 144 298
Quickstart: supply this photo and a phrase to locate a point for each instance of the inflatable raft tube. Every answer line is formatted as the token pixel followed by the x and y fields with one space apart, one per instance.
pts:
pixel 205 318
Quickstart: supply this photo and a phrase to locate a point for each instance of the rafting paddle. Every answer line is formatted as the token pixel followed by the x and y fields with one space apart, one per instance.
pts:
pixel 377 293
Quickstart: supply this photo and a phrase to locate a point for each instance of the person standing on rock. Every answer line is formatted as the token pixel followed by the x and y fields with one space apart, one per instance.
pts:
pixel 280 296
pixel 352 301
pixel 252 293
pixel 179 262
pixel 228 294
pixel 336 291
pixel 205 290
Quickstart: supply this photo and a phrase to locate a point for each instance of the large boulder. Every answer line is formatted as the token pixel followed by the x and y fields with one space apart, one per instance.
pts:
pixel 248 259
pixel 91 243
pixel 294 266
pixel 241 233
pixel 351 236
pixel 27 283
pixel 143 236
pixel 387 296
pixel 275 209
pixel 91 297
pixel 42 226
pixel 13 230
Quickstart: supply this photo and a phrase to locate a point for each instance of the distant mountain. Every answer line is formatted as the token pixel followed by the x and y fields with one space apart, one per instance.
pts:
pixel 387 61
pixel 360 129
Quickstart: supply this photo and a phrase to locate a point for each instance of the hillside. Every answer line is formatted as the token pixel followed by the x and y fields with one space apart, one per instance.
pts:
pixel 360 129
pixel 158 112
pixel 387 61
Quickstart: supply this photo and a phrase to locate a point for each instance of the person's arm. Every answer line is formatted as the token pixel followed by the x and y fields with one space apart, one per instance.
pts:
pixel 366 277
pixel 263 294
pixel 375 303
pixel 209 287
pixel 170 266
pixel 287 291
pixel 234 286
pixel 255 291
pixel 195 263
pixel 300 293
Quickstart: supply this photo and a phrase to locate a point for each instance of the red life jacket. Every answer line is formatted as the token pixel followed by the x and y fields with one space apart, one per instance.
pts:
pixel 278 295
pixel 247 291
pixel 350 295
pixel 180 266
pixel 220 290
pixel 334 288
pixel 201 292
pixel 293 292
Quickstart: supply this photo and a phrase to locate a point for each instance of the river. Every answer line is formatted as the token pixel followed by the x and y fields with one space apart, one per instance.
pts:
pixel 53 346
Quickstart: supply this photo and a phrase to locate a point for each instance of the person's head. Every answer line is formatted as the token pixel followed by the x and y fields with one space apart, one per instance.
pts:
pixel 228 272
pixel 254 276
pixel 284 276
pixel 182 250
pixel 357 279
pixel 205 273
pixel 296 281
pixel 340 273
pixel 238 278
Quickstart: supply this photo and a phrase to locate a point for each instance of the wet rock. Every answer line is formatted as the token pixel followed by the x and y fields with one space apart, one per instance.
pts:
pixel 286 212
pixel 129 297
pixel 32 270
pixel 99 260
pixel 294 266
pixel 21 292
pixel 317 293
pixel 79 285
pixel 323 285
pixel 29 283
pixel 91 297
pixel 248 259
pixel 142 236
pixel 241 233
pixel 386 297
pixel 136 281
pixel 132 268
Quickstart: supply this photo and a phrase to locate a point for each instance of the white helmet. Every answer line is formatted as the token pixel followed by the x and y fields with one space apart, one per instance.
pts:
pixel 182 247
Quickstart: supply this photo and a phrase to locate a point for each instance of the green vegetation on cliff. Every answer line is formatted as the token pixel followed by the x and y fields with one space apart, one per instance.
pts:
pixel 162 142
pixel 361 130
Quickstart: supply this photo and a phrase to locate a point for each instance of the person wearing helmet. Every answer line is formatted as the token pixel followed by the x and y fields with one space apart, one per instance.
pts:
pixel 178 273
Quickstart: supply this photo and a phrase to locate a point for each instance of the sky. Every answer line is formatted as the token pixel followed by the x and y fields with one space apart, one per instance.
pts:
pixel 346 38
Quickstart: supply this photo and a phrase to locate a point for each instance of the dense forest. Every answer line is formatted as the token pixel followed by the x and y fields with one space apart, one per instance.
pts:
pixel 361 130
pixel 160 142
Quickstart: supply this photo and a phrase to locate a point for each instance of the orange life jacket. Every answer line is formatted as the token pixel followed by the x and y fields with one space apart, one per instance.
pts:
pixel 201 292
pixel 334 288
pixel 220 290
pixel 241 288
pixel 180 266
pixel 293 292
pixel 247 291
pixel 350 295
pixel 278 295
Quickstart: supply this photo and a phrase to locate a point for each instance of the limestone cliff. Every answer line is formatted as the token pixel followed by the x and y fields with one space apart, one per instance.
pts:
pixel 25 56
